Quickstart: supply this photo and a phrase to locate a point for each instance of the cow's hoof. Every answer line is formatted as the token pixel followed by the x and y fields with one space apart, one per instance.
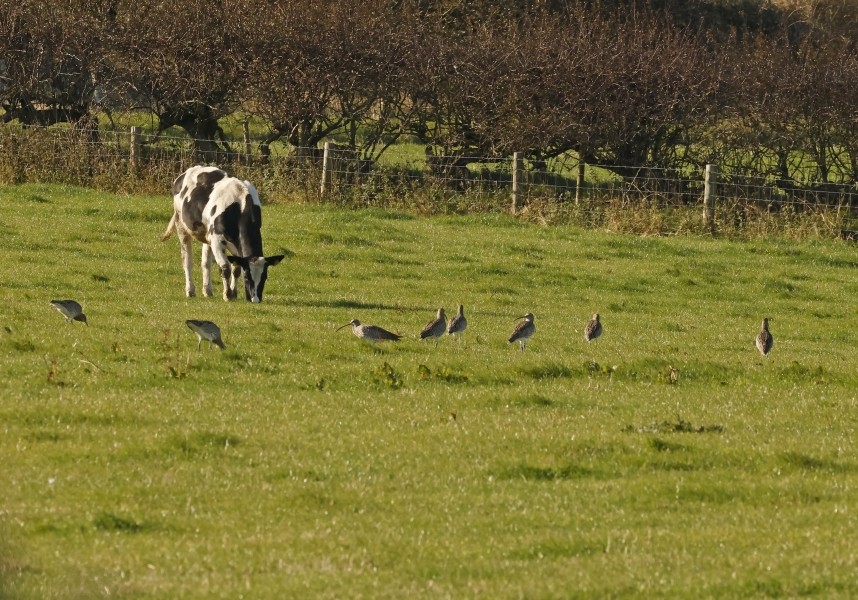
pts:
pixel 207 293
pixel 190 293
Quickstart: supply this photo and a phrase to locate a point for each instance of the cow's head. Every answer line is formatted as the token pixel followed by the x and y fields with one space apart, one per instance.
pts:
pixel 255 269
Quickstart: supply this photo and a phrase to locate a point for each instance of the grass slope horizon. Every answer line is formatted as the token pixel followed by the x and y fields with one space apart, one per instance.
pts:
pixel 301 461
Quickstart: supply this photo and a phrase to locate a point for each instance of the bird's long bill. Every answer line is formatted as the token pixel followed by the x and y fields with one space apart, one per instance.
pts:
pixel 344 326
pixel 520 318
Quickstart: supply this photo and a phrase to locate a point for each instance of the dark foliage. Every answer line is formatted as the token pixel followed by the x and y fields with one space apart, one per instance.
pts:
pixel 643 84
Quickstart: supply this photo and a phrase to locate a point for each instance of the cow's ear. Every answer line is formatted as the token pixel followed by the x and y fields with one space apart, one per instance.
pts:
pixel 274 260
pixel 238 260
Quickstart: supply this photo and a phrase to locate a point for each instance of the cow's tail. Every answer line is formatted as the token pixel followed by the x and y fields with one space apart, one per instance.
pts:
pixel 170 227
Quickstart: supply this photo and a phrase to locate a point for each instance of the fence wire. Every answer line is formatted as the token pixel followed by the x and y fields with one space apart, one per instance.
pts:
pixel 409 176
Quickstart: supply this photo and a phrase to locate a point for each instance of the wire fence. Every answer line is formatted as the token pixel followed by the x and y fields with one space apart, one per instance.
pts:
pixel 407 176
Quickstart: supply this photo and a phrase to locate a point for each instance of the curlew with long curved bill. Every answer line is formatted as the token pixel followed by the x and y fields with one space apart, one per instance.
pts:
pixel 373 333
pixel 206 330
pixel 458 324
pixel 436 327
pixel 764 340
pixel 70 309
pixel 593 329
pixel 523 331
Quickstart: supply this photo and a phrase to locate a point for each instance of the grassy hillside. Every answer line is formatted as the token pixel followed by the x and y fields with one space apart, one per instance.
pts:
pixel 303 462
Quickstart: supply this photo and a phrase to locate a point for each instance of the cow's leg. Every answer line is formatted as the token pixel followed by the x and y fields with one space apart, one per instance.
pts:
pixel 187 262
pixel 228 288
pixel 206 264
pixel 218 246
pixel 236 278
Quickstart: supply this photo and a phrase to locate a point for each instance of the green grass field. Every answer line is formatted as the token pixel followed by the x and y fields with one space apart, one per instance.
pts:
pixel 302 462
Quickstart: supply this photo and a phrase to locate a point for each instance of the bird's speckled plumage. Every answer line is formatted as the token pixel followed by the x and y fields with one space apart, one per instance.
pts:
pixel 523 331
pixel 593 328
pixel 458 324
pixel 436 327
pixel 764 340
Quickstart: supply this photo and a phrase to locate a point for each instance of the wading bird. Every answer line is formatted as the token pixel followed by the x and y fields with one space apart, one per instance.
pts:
pixel 436 327
pixel 765 341
pixel 593 328
pixel 206 330
pixel 70 309
pixel 458 324
pixel 523 331
pixel 373 333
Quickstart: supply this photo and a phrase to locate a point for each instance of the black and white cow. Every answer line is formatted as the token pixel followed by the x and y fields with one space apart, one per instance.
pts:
pixel 224 213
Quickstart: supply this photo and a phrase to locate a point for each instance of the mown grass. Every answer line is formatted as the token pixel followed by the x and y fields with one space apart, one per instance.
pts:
pixel 301 462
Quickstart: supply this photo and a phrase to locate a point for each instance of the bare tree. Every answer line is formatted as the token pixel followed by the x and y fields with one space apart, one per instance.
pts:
pixel 792 114
pixel 619 90
pixel 661 81
pixel 632 83
pixel 178 59
pixel 322 68
pixel 50 59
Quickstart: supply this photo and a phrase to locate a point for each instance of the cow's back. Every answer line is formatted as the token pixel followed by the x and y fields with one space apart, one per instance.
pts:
pixel 192 191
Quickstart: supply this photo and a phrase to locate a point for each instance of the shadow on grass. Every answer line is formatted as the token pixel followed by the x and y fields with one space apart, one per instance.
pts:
pixel 531 400
pixel 550 370
pixel 526 472
pixel 806 462
pixel 110 522
pixel 560 549
pixel 359 305
pixel 678 426
pixel 202 443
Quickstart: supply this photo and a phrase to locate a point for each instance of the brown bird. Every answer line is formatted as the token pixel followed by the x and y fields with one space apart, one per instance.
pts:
pixel 765 341
pixel 373 333
pixel 672 374
pixel 70 309
pixel 523 331
pixel 436 327
pixel 206 330
pixel 593 328
pixel 458 324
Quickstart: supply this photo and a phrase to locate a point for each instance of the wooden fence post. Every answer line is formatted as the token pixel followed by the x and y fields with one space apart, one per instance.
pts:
pixel 327 164
pixel 516 181
pixel 135 147
pixel 579 181
pixel 247 149
pixel 710 184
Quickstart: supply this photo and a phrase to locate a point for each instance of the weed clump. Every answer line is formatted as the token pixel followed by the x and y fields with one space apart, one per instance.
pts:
pixel 441 373
pixel 386 376
pixel 112 523
pixel 172 359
